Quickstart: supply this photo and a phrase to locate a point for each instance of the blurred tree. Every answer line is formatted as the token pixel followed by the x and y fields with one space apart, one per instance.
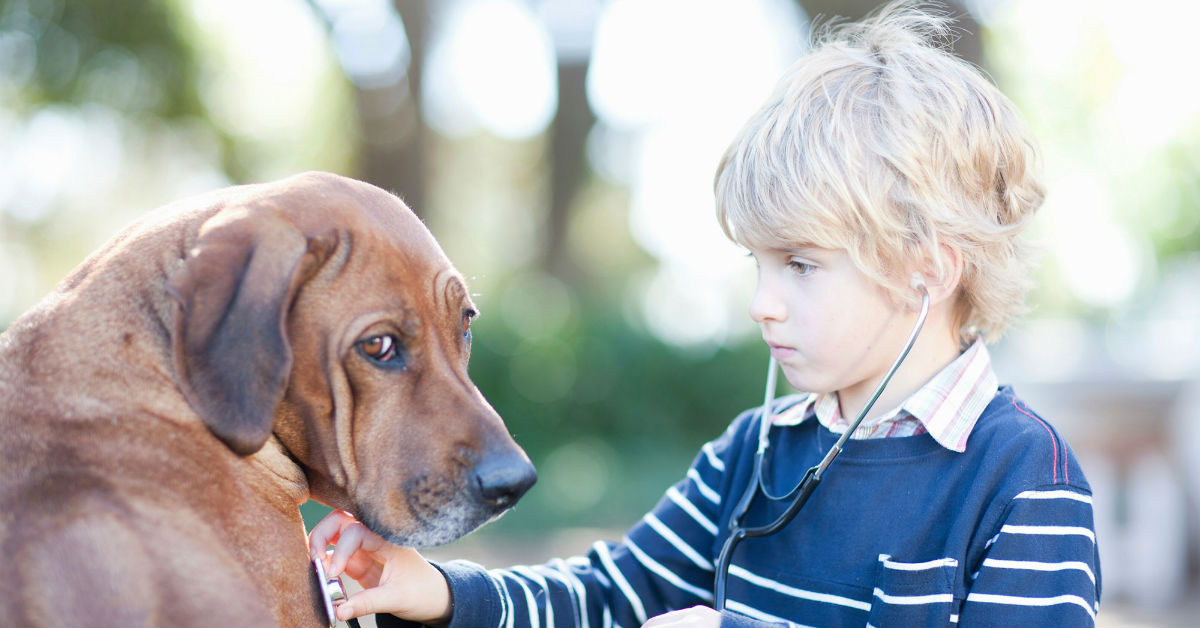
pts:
pixel 125 53
pixel 969 45
pixel 396 147
pixel 572 122
pixel 395 150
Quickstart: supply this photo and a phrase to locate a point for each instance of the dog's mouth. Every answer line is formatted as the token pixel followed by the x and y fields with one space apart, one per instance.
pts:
pixel 440 510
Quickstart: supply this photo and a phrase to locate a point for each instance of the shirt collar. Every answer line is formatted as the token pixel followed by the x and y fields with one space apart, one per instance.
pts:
pixel 948 405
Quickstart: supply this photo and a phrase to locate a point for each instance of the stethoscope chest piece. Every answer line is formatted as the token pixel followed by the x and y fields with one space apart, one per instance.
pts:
pixel 332 591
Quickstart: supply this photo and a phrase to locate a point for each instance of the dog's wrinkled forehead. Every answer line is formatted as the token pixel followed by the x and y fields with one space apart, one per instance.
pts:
pixel 450 290
pixel 384 234
pixel 319 202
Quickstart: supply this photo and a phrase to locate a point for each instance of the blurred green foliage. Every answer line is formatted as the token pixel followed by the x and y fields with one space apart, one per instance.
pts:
pixel 128 54
pixel 1176 232
pixel 633 412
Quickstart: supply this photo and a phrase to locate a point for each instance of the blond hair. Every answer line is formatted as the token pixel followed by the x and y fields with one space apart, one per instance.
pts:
pixel 883 143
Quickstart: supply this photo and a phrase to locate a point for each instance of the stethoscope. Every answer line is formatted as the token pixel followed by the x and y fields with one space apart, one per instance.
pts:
pixel 333 593
pixel 804 489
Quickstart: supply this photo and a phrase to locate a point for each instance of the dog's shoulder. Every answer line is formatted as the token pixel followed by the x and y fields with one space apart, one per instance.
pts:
pixel 70 532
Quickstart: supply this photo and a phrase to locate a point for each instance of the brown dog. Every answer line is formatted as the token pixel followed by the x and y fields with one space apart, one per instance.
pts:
pixel 166 409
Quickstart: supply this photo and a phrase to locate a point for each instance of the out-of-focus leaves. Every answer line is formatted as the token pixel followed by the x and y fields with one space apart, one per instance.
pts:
pixel 622 404
pixel 125 53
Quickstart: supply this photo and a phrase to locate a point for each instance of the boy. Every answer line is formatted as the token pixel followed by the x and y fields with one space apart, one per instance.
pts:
pixel 879 157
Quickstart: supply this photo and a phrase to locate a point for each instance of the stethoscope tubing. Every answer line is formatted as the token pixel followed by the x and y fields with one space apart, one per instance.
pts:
pixel 803 489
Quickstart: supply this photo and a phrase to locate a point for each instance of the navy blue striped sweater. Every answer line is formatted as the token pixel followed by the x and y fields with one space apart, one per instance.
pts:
pixel 901 532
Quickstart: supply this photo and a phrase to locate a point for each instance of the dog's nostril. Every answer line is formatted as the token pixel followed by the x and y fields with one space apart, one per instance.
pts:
pixel 501 485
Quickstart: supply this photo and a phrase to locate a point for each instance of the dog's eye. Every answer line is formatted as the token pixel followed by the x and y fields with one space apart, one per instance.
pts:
pixel 382 348
pixel 466 325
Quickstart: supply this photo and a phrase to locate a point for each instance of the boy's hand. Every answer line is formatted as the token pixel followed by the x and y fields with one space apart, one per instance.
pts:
pixel 694 617
pixel 395 579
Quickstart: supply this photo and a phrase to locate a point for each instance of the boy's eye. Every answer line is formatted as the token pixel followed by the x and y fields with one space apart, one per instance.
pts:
pixel 801 268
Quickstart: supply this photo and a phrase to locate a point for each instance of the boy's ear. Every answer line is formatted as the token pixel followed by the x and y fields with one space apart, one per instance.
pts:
pixel 943 275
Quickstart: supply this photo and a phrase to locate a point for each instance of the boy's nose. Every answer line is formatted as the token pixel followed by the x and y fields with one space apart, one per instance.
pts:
pixel 765 305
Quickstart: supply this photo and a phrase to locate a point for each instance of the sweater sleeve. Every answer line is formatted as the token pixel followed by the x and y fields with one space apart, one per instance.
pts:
pixel 1042 566
pixel 663 563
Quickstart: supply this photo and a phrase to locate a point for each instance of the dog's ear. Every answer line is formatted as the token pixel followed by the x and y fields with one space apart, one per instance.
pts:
pixel 231 350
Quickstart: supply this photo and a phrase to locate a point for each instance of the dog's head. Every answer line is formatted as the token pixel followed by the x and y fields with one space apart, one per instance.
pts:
pixel 320 310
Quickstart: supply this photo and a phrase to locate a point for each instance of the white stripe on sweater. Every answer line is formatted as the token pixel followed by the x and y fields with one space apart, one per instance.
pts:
pixel 678 543
pixel 506 603
pixel 618 578
pixel 562 570
pixel 716 462
pixel 1013 600
pixel 909 600
pixel 1056 494
pixel 666 574
pixel 707 492
pixel 535 620
pixel 687 506
pixel 1049 530
pixel 540 580
pixel 1046 530
pixel 932 564
pixel 736 570
pixel 1038 566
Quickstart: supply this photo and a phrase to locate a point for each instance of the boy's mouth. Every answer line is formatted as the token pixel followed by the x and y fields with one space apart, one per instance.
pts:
pixel 780 352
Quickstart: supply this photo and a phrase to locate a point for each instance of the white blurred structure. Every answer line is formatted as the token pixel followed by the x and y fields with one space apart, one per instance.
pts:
pixel 1127 399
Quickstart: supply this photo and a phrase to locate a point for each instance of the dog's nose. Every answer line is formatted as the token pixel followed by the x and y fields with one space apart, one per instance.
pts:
pixel 502 480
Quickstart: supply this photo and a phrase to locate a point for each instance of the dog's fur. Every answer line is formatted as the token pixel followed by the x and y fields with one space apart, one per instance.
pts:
pixel 166 409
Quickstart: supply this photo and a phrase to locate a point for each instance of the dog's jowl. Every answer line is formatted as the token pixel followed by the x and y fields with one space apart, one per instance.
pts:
pixel 166 409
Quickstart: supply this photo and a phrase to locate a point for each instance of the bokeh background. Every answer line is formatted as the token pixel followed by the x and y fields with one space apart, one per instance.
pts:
pixel 562 151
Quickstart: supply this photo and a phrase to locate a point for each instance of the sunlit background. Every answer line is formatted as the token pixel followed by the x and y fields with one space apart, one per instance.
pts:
pixel 562 151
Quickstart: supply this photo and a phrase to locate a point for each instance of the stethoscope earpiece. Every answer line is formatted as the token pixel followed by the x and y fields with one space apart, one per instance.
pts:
pixel 917 282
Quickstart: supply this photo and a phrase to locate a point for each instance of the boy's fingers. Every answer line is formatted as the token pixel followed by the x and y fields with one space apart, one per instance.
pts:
pixel 694 617
pixel 665 620
pixel 326 532
pixel 349 541
pixel 365 602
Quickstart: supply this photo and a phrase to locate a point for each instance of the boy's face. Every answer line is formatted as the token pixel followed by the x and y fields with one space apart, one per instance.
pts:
pixel 828 325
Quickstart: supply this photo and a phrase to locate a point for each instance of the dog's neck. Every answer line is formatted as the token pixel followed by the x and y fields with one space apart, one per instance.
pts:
pixel 282 470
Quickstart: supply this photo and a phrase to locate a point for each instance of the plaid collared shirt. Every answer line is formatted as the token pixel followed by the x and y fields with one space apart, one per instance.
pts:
pixel 946 407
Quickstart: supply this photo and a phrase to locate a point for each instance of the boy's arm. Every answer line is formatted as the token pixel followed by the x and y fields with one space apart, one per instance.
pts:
pixel 1042 566
pixel 663 563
